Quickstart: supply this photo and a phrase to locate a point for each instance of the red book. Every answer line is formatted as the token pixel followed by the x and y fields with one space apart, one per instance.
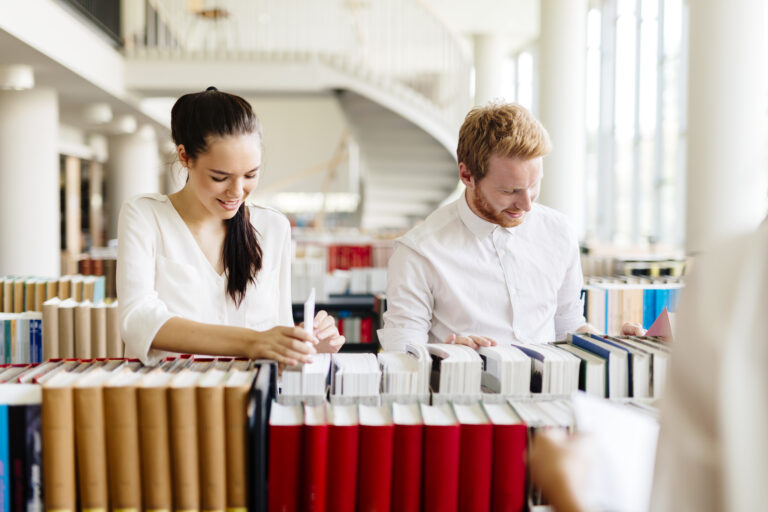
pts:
pixel 340 325
pixel 474 457
pixel 285 425
pixel 313 458
pixel 509 446
pixel 342 458
pixel 374 463
pixel 406 463
pixel 366 329
pixel 441 459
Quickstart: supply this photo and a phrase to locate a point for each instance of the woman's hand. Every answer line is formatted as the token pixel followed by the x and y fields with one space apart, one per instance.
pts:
pixel 286 345
pixel 327 333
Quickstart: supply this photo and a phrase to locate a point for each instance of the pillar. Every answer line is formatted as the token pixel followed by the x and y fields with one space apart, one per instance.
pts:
pixel 726 167
pixel 562 48
pixel 489 52
pixel 132 169
pixel 29 183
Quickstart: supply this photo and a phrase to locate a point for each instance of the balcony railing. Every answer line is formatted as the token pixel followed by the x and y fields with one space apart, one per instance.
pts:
pixel 400 44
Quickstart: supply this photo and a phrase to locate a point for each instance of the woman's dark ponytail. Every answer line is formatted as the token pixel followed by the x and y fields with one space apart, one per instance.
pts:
pixel 194 118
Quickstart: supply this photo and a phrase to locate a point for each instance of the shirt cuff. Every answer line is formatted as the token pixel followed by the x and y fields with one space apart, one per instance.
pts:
pixel 139 328
pixel 394 339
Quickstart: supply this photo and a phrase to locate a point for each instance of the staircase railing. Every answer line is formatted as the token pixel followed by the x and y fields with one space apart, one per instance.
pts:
pixel 396 44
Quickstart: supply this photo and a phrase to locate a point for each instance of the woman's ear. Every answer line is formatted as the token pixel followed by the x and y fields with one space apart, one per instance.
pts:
pixel 182 154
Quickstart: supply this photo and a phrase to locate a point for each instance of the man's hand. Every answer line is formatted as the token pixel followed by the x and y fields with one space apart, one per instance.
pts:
pixel 632 329
pixel 471 341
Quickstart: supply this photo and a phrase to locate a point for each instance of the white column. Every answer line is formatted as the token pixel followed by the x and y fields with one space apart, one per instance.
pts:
pixel 562 48
pixel 132 169
pixel 726 171
pixel 489 58
pixel 29 183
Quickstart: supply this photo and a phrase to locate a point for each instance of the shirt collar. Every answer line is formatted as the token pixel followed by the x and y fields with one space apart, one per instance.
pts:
pixel 480 227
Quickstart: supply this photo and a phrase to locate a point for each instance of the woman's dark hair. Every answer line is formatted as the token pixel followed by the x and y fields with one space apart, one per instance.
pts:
pixel 194 118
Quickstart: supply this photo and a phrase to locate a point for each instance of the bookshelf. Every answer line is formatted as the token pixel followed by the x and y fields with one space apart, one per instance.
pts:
pixel 356 316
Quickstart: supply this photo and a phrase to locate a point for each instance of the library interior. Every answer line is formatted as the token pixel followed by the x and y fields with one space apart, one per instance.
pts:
pixel 528 236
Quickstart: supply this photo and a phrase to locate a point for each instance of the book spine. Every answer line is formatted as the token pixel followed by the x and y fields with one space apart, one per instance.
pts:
pixel 211 447
pixel 343 445
pixel 475 467
pixel 5 461
pixel 284 471
pixel 375 487
pixel 509 455
pixel 36 340
pixel 407 468
pixel 313 477
pixel 441 468
pixel 184 454
pixel 122 436
pixel 91 447
pixel 58 449
pixel 155 454
pixel 236 422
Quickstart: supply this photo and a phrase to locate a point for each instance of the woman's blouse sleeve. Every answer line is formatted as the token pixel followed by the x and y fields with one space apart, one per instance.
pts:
pixel 142 313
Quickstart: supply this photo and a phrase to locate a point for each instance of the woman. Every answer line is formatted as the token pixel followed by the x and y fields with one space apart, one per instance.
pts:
pixel 200 271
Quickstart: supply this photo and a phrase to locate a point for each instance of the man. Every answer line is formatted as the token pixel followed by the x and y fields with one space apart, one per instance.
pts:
pixel 493 266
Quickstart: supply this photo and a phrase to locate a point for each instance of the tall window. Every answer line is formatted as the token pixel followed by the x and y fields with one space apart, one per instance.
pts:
pixel 635 121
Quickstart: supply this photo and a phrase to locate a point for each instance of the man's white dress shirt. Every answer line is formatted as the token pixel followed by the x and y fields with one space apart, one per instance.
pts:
pixel 163 273
pixel 458 273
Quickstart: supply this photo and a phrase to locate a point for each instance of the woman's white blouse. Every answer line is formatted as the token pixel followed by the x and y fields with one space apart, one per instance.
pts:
pixel 163 273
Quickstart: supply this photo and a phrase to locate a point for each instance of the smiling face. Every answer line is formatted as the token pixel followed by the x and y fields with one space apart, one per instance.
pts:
pixel 223 176
pixel 507 191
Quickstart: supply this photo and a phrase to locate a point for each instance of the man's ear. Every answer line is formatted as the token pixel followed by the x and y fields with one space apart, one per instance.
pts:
pixel 466 176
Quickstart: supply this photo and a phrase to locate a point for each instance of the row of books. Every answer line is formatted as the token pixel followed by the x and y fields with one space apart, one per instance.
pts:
pixel 185 435
pixel 20 294
pixel 603 366
pixel 445 457
pixel 101 263
pixel 82 330
pixel 308 273
pixel 21 337
pixel 649 265
pixel 609 303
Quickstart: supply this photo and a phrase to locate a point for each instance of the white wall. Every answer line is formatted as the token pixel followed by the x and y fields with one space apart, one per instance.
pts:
pixel 300 133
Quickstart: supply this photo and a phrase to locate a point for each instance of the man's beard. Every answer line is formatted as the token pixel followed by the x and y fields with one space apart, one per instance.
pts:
pixel 487 212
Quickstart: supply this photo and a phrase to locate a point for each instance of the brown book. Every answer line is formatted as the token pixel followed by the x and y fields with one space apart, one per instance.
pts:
pixel 182 425
pixel 154 441
pixel 7 305
pixel 76 292
pixel 121 424
pixel 99 330
pixel 51 328
pixel 51 288
pixel 211 440
pixel 67 329
pixel 58 433
pixel 110 267
pixel 236 392
pixel 114 340
pixel 29 295
pixel 90 440
pixel 39 294
pixel 83 330
pixel 18 295
pixel 65 287
pixel 89 288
